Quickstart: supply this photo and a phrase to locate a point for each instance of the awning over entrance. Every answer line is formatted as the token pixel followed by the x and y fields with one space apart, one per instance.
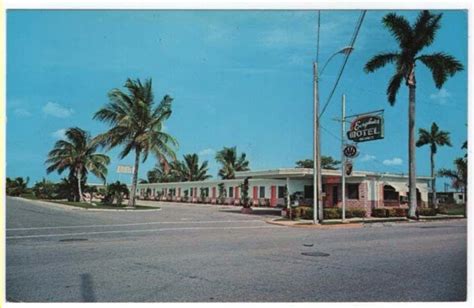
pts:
pixel 399 186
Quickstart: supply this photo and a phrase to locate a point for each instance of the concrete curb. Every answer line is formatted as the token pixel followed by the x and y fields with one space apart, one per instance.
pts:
pixel 77 208
pixel 310 225
pixel 441 217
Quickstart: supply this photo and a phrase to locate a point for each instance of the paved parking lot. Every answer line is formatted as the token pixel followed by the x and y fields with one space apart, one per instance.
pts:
pixel 203 254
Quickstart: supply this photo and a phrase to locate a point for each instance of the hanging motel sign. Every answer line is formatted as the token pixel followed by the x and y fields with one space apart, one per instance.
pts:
pixel 366 127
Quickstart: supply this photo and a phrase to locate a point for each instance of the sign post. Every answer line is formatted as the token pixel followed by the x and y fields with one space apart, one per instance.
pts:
pixel 124 169
pixel 343 157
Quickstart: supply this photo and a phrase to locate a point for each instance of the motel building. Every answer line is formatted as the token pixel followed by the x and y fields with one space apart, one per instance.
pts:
pixel 367 190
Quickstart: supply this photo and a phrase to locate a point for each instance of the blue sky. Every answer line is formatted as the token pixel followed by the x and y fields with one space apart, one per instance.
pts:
pixel 239 78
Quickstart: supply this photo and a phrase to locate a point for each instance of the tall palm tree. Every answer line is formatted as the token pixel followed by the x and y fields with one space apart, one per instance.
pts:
pixel 137 125
pixel 77 153
pixel 191 170
pixel 231 162
pixel 411 40
pixel 433 138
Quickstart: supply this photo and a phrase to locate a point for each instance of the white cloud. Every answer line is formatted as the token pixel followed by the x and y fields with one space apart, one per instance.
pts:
pixel 56 110
pixel 441 97
pixel 367 157
pixel 393 162
pixel 207 151
pixel 59 134
pixel 22 112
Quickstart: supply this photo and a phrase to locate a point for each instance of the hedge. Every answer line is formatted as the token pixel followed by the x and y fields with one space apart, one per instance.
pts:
pixel 336 213
pixel 426 212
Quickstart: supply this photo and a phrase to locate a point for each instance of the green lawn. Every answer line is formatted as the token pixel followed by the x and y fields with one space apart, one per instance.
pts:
pixel 454 209
pixel 87 205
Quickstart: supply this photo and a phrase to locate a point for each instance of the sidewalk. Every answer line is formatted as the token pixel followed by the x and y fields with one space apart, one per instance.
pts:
pixel 354 222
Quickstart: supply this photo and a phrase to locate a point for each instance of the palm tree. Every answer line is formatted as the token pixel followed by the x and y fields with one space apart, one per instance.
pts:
pixel 16 187
pixel 227 157
pixel 458 176
pixel 434 138
pixel 411 40
pixel 190 169
pixel 165 172
pixel 78 155
pixel 137 124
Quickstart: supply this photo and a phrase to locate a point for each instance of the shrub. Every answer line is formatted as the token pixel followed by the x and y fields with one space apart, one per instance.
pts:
pixel 306 212
pixel 332 213
pixel 397 212
pixel 442 210
pixel 45 190
pixel 379 213
pixel 355 212
pixel 426 212
pixel 303 212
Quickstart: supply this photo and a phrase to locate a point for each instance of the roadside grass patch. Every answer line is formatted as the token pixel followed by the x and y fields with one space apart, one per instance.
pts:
pixel 452 209
pixel 30 196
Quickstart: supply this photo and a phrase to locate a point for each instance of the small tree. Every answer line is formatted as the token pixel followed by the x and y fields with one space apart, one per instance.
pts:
pixel 222 192
pixel 244 193
pixel 327 162
pixel 115 192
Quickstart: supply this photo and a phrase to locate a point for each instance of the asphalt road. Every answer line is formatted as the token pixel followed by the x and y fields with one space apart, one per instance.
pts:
pixel 203 254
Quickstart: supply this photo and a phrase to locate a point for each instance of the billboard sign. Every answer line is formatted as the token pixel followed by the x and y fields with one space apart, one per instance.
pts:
pixel 125 169
pixel 366 128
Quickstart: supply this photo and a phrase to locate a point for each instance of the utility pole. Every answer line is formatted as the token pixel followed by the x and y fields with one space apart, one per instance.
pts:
pixel 316 144
pixel 343 157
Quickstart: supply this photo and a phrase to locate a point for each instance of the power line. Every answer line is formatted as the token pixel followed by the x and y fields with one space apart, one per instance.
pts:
pixel 346 58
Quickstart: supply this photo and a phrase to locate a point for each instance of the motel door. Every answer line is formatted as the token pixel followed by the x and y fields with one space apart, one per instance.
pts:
pixel 334 195
pixel 273 196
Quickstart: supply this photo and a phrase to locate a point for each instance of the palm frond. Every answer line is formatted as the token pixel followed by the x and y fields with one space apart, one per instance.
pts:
pixel 393 87
pixel 380 60
pixel 441 66
pixel 400 29
pixel 424 30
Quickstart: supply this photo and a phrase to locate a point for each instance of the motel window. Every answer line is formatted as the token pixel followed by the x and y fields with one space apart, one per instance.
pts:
pixel 281 191
pixel 191 192
pixel 308 191
pixel 460 197
pixel 390 194
pixel 231 192
pixel 262 192
pixel 353 191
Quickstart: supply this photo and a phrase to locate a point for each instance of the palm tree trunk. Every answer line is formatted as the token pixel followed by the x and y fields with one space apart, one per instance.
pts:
pixel 411 148
pixel 79 188
pixel 131 200
pixel 434 201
